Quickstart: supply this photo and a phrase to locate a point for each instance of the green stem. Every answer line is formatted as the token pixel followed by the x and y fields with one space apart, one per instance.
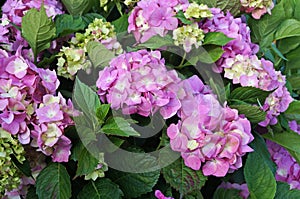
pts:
pixel 182 61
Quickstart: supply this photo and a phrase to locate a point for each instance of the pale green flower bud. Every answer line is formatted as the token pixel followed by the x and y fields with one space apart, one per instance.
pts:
pixel 99 170
pixel 10 176
pixel 198 11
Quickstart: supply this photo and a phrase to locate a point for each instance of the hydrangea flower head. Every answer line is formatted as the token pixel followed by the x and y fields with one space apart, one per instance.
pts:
pixel 257 8
pixel 137 82
pixel 188 36
pixel 197 11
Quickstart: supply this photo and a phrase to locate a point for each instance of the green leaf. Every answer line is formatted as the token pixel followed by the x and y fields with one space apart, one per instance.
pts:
pixel 90 17
pixel 23 167
pixel 86 161
pixel 38 30
pixel 297 10
pixel 277 51
pixel 121 24
pixel 209 55
pixel 222 193
pixel 289 140
pixel 216 38
pixel 259 145
pixel 182 18
pixel 194 195
pixel 101 189
pixel 78 7
pixel 53 182
pixel 293 57
pixel 283 191
pixel 67 24
pixel 288 28
pixel 252 113
pixel 183 179
pixel 288 44
pixel 157 42
pixel 134 185
pixel 294 81
pixel 102 112
pixel 249 95
pixel 259 177
pixel 118 126
pixel 99 54
pixel 293 112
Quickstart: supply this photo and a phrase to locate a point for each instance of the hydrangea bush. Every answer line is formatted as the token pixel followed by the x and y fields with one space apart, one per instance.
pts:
pixel 149 99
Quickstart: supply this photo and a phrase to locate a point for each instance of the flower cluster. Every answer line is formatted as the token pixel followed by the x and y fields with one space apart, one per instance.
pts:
pixel 188 36
pixel 241 187
pixel 154 17
pixel 242 65
pixel 208 133
pixel 72 59
pixel 9 174
pixel 160 195
pixel 138 82
pixel 288 170
pixel 197 11
pixel 257 8
pixel 29 108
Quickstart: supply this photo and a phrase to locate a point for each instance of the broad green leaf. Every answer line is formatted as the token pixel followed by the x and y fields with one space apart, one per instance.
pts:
pixel 134 185
pixel 182 18
pixel 99 54
pixel 283 192
pixel 38 30
pixel 209 55
pixel 53 182
pixel 232 6
pixel 252 113
pixel 24 167
pixel 293 57
pixel 194 195
pixel 86 161
pixel 293 112
pixel 67 24
pixel 102 112
pixel 288 44
pixel 101 189
pixel 90 17
pixel 259 177
pixel 222 193
pixel 294 81
pixel 277 51
pixel 289 140
pixel 249 95
pixel 216 38
pixel 259 145
pixel 78 7
pixel 297 10
pixel 183 179
pixel 118 126
pixel 121 24
pixel 157 42
pixel 288 28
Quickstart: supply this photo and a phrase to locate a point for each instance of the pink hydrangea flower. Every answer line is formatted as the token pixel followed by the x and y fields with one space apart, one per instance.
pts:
pixel 30 108
pixel 138 82
pixel 151 18
pixel 208 136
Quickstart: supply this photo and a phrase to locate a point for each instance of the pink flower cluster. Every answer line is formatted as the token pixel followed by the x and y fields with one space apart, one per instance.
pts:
pixel 240 64
pixel 242 187
pixel 288 170
pixel 207 133
pixel 154 17
pixel 29 107
pixel 138 82
pixel 160 195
